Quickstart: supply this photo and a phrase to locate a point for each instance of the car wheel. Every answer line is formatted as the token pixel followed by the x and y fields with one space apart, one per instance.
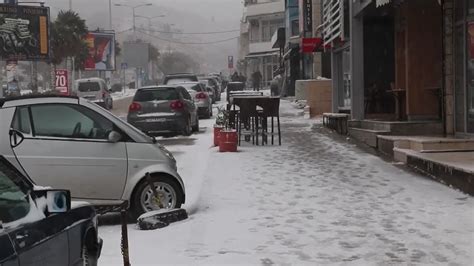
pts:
pixel 88 258
pixel 196 127
pixel 169 191
pixel 187 131
pixel 111 104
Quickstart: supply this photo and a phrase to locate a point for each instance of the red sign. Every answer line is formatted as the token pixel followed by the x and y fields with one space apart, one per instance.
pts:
pixel 62 84
pixel 230 60
pixel 313 45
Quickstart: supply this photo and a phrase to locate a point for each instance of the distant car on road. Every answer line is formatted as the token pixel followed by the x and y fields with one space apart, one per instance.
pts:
pixel 201 97
pixel 96 91
pixel 213 83
pixel 173 79
pixel 38 226
pixel 71 143
pixel 158 110
pixel 210 89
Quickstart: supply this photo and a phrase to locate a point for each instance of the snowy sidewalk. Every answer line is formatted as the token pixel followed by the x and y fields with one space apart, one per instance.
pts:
pixel 312 201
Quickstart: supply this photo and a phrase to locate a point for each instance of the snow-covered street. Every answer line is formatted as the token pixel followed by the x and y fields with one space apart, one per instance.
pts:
pixel 315 200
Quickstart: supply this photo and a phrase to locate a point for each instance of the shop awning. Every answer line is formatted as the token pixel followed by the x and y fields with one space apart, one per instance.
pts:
pixel 384 2
pixel 262 54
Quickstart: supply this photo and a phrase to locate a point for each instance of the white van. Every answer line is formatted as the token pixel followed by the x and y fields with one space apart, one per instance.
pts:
pixel 96 91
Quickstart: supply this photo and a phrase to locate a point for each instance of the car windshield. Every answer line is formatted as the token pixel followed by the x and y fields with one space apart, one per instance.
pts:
pixel 174 81
pixel 158 94
pixel 89 86
pixel 194 87
pixel 298 132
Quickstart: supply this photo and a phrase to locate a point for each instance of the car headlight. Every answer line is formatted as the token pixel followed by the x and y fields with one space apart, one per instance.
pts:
pixel 166 152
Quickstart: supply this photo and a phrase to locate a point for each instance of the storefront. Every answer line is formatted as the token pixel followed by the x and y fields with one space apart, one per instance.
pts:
pixel 464 67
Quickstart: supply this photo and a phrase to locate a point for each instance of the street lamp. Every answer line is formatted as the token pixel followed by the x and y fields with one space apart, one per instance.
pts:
pixel 133 10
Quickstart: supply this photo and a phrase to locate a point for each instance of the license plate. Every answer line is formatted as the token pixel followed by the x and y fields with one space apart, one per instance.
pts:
pixel 155 120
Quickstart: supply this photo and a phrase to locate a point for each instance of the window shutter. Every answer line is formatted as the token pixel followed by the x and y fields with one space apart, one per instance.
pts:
pixel 333 15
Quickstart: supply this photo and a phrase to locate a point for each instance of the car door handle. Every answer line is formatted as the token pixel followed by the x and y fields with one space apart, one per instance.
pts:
pixel 16 138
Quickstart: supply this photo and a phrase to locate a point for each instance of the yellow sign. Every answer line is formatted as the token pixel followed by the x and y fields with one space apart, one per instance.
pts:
pixel 43 35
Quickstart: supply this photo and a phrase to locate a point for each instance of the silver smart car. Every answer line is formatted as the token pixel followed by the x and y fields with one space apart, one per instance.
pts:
pixel 71 143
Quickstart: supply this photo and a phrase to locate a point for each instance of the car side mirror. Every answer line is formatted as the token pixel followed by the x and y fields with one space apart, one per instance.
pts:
pixel 110 90
pixel 57 201
pixel 114 137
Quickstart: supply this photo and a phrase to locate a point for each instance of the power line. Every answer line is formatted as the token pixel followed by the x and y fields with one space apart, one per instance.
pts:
pixel 195 33
pixel 191 43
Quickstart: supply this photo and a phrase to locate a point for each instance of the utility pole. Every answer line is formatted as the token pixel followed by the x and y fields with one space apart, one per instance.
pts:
pixel 110 15
pixel 70 4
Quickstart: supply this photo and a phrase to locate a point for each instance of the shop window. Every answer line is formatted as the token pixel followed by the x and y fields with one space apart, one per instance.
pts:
pixel 460 9
pixel 295 27
pixel 470 77
pixel 470 7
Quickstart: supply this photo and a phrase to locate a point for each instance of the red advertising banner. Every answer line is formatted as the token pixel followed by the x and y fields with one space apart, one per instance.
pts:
pixel 62 84
pixel 309 45
pixel 101 51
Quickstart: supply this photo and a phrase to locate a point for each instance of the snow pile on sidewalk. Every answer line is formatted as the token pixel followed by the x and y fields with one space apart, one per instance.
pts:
pixel 123 94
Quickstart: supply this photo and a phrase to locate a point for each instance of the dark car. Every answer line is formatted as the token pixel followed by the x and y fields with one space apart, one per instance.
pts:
pixel 38 226
pixel 161 110
pixel 173 79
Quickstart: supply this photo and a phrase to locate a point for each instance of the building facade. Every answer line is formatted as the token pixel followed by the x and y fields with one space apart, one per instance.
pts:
pixel 261 19
pixel 403 60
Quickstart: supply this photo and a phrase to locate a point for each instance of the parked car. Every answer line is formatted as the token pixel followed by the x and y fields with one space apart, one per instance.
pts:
pixel 213 83
pixel 173 79
pixel 96 91
pixel 117 87
pixel 158 110
pixel 38 226
pixel 201 97
pixel 211 90
pixel 71 143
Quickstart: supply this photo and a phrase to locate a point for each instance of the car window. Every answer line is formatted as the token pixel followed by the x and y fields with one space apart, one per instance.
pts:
pixel 161 94
pixel 14 203
pixel 89 86
pixel 185 94
pixel 174 81
pixel 21 121
pixel 194 87
pixel 69 121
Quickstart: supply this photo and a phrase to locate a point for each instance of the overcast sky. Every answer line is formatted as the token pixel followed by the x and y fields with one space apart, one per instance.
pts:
pixel 186 15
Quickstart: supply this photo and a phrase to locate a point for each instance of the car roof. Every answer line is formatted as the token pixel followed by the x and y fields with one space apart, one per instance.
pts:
pixel 89 79
pixel 159 87
pixel 29 99
pixel 189 83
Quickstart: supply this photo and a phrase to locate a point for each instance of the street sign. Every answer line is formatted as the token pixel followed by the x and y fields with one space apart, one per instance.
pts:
pixel 230 61
pixel 62 82
pixel 124 66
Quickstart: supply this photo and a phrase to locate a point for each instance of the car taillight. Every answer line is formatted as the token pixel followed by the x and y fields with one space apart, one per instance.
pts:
pixel 134 107
pixel 103 95
pixel 175 105
pixel 201 95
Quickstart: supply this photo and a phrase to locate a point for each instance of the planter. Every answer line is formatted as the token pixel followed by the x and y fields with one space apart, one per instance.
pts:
pixel 228 141
pixel 217 130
